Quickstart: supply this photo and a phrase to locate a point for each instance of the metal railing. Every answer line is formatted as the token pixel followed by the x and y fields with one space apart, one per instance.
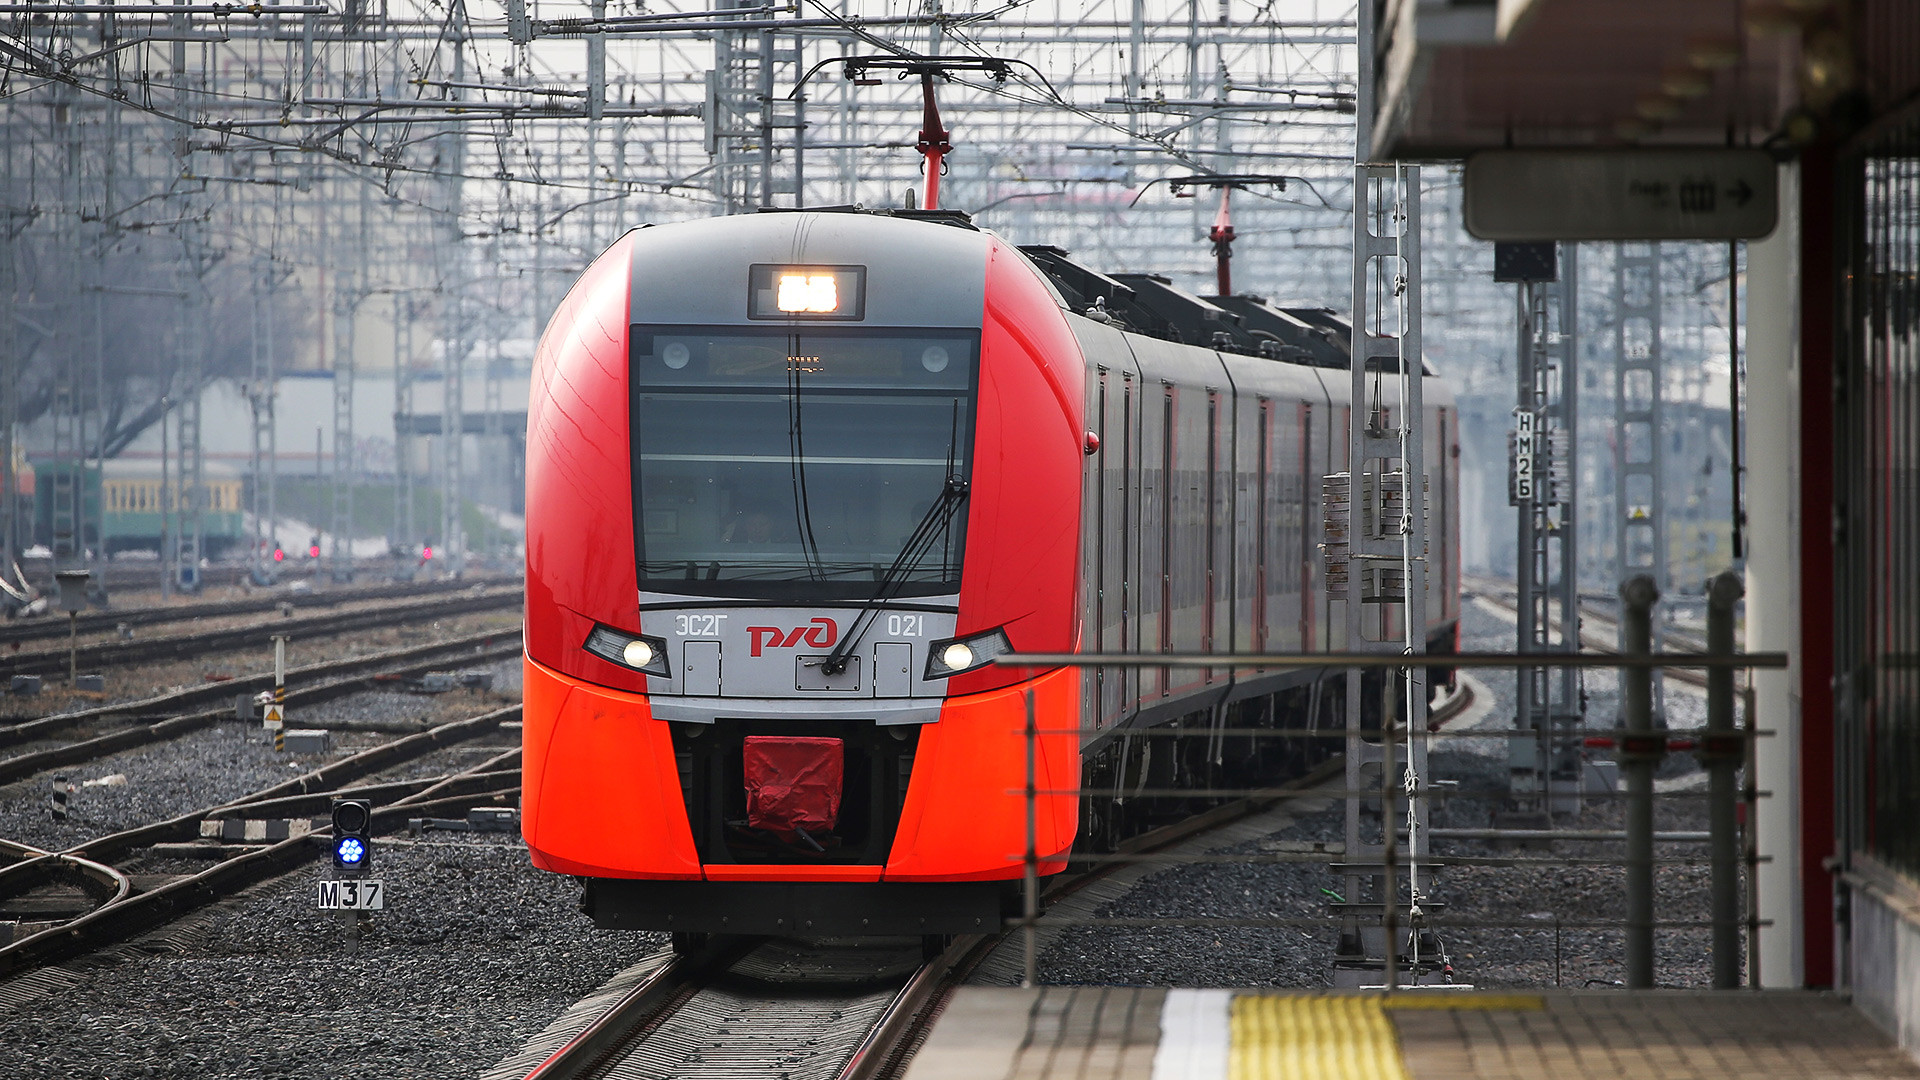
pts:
pixel 1722 746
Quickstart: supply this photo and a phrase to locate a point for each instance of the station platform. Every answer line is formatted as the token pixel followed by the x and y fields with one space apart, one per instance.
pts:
pixel 1134 1033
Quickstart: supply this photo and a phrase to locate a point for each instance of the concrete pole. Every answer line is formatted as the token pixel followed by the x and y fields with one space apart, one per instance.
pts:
pixel 1641 748
pixel 1773 580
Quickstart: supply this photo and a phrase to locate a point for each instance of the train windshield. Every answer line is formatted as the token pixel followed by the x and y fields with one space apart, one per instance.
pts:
pixel 799 464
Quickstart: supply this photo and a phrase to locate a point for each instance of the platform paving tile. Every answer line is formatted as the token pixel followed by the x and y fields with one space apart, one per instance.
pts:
pixel 1682 1035
pixel 1006 1033
pixel 1115 1033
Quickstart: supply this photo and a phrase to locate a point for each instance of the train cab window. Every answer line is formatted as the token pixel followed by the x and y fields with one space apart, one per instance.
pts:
pixel 801 464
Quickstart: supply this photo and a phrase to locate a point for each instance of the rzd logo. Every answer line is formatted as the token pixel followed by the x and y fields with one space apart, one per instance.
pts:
pixel 820 633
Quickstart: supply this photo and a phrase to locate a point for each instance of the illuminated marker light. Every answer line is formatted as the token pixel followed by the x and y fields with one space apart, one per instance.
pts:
pixel 808 292
pixel 637 652
pixel 349 851
pixel 960 655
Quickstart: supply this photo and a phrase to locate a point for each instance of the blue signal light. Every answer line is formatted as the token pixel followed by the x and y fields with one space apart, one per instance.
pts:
pixel 349 851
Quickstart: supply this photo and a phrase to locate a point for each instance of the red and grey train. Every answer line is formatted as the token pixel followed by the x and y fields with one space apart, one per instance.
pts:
pixel 796 479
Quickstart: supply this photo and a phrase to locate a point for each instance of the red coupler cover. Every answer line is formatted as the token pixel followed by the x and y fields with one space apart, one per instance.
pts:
pixel 794 783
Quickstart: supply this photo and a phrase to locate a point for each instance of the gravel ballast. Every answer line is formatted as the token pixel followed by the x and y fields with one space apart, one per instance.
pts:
pixel 475 953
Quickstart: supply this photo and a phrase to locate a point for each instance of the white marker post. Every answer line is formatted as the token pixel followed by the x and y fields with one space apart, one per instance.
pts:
pixel 276 718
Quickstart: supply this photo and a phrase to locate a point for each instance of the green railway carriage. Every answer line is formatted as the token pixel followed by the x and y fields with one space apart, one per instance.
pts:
pixel 130 502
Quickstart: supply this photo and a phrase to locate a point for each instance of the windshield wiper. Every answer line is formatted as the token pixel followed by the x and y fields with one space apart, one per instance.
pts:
pixel 919 542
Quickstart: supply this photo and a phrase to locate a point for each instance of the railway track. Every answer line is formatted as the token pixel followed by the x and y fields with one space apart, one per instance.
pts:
pixel 1599 628
pixel 187 646
pixel 337 679
pixel 831 1010
pixel 103 622
pixel 371 669
pixel 122 912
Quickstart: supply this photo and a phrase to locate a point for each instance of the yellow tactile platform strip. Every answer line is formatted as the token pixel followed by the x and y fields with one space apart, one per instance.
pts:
pixel 1301 1037
pixel 1336 1036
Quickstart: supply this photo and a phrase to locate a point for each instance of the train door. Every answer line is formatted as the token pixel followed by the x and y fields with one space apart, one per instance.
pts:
pixel 1209 527
pixel 1129 549
pixel 1110 576
pixel 1164 622
pixel 1263 521
pixel 1098 544
pixel 1305 508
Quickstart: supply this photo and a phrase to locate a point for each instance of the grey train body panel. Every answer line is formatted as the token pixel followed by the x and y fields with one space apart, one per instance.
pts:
pixel 919 274
pixel 1191 545
pixel 731 658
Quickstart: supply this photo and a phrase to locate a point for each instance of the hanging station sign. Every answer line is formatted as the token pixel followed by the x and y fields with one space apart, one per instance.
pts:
pixel 1621 195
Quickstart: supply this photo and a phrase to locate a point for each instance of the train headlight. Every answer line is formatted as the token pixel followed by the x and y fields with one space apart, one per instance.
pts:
pixel 957 655
pixel 639 652
pixel 808 292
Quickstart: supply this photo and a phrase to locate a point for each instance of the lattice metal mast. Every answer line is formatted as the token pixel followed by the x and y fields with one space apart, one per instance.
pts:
pixel 1377 564
pixel 1544 758
pixel 1640 534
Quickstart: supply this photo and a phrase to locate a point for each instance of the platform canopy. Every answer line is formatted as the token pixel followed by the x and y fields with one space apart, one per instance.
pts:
pixel 1453 78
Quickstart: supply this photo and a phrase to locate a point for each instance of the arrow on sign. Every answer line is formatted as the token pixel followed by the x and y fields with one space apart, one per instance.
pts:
pixel 1741 193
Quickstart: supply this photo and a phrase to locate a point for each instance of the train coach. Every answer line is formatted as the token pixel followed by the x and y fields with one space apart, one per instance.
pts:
pixel 796 480
pixel 129 503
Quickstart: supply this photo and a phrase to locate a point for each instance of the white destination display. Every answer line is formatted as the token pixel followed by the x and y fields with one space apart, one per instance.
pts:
pixel 366 895
pixel 1534 195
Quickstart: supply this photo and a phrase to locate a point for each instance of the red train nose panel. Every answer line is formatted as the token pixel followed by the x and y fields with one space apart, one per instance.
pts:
pixel 600 793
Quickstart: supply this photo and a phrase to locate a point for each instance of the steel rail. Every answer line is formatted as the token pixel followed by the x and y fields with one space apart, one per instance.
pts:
pixel 478 646
pixel 108 620
pixel 106 876
pixel 177 646
pixel 24 765
pixel 1603 645
pixel 641 1008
